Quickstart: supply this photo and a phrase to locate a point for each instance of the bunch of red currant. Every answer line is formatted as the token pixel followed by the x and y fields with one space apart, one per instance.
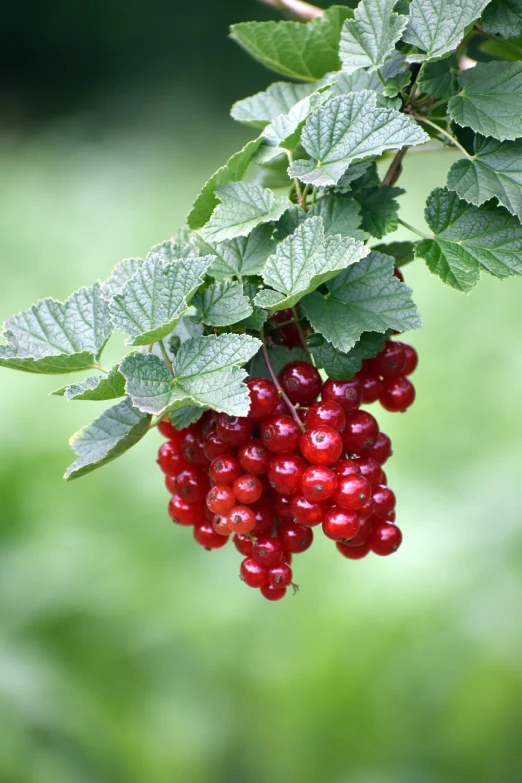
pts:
pixel 292 464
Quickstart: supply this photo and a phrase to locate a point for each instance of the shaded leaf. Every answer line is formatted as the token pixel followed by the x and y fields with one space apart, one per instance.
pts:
pixel 439 79
pixel 341 365
pixel 503 17
pixel 402 252
pixel 97 388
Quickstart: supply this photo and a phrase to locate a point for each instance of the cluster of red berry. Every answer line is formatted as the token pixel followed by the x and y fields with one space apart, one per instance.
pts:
pixel 293 463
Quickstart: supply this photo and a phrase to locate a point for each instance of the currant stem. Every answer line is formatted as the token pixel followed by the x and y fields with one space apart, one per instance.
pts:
pixel 166 356
pixel 415 230
pixel 446 134
pixel 97 366
pixel 277 384
pixel 302 338
pixel 395 170
pixel 296 9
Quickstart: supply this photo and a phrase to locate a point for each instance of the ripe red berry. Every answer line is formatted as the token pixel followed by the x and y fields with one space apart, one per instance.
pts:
pixel 326 412
pixel 192 484
pixel 280 575
pixel 353 552
pixel 383 501
pixel 371 387
pixel 318 483
pixel 307 512
pixel 367 510
pixel 206 536
pixel 347 467
pixel 241 519
pixel 192 449
pixel 247 489
pixel 382 450
pixel 340 525
pixel 273 593
pixel 352 492
pixel 385 539
pixel 361 432
pixel 170 483
pixel 169 431
pixel 224 469
pixel 263 398
pixel 390 361
pixel 347 393
pixel 370 469
pixel 390 517
pixel 412 359
pixel 254 458
pixel 234 430
pixel 170 459
pixel 294 537
pixel 364 533
pixel 301 382
pixel 243 544
pixel 221 499
pixel 397 394
pixel 253 573
pixel 184 513
pixel 264 515
pixel 214 447
pixel 268 550
pixel 281 434
pixel 284 473
pixel 282 507
pixel 220 524
pixel 321 445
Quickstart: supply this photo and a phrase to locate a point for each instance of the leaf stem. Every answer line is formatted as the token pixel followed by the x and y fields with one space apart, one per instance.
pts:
pixel 296 9
pixel 446 134
pixel 97 366
pixel 415 230
pixel 166 356
pixel 282 394
pixel 302 337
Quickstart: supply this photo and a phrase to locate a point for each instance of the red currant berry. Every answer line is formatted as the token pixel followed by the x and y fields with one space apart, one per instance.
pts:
pixel 273 593
pixel 352 492
pixel 221 499
pixel 367 510
pixel 281 435
pixel 371 386
pixel 280 575
pixel 340 525
pixel 192 449
pixel 220 524
pixel 192 485
pixel 412 359
pixel 398 274
pixel 383 501
pixel 301 382
pixel 390 361
pixel 247 489
pixel 290 336
pixel 214 447
pixel 353 552
pixel 370 469
pixel 364 533
pixel 169 431
pixel 282 507
pixel 264 514
pixel 184 513
pixel 268 550
pixel 347 393
pixel 253 573
pixel 170 483
pixel 224 470
pixel 361 432
pixel 208 423
pixel 347 467
pixel 282 316
pixel 281 410
pixel 318 483
pixel 321 445
pixel 254 458
pixel 170 459
pixel 391 516
pixel 241 519
pixel 306 512
pixel 284 473
pixel 206 536
pixel 385 539
pixel 234 430
pixel 294 537
pixel 243 544
pixel 381 450
pixel 263 398
pixel 397 394
pixel 326 412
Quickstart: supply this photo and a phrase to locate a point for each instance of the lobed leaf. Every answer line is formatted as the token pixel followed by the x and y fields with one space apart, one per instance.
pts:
pixel 263 107
pixel 438 79
pixel 120 275
pixel 97 388
pixel 437 26
pixel 503 17
pixel 285 130
pixel 239 256
pixel 242 208
pixel 340 216
pixel 222 304
pixel 402 252
pixel 369 38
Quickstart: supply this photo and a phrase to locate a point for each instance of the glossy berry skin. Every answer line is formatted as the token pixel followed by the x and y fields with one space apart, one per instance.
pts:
pixel 282 507
pixel 220 524
pixel 361 432
pixel 295 538
pixel 224 470
pixel 389 363
pixel 185 514
pixel 353 552
pixel 306 512
pixel 264 514
pixel 263 398
pixel 366 511
pixel 382 449
pixel 234 430
pixel 347 467
pixel 352 492
pixel 340 525
pixel 241 519
pixel 192 485
pixel 253 573
pixel 243 544
pixel 281 434
pixel 370 469
pixel 247 489
pixel 347 393
pixel 214 447
pixel 412 359
pixel 284 473
pixel 390 517
pixel 207 537
pixel 192 449
pixel 273 593
pixel 301 382
pixel 385 539
pixel 397 394
pixel 318 482
pixel 221 499
pixel 383 501
pixel 326 412
pixel 371 387
pixel 364 533
pixel 280 575
pixel 170 483
pixel 169 431
pixel 254 458
pixel 268 551
pixel 321 445
pixel 170 459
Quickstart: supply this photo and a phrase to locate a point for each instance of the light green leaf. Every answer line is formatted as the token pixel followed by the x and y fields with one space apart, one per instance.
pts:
pixel 300 51
pixel 379 209
pixel 369 38
pixel 109 436
pixel 402 252
pixel 340 216
pixel 303 261
pixel 58 337
pixel 222 304
pixel 279 356
pixel 154 299
pixel 439 79
pixel 352 127
pixel 285 129
pixel 503 17
pixel 490 100
pixel 341 365
pixel 171 250
pixel 243 207
pixel 120 275
pixel 438 26
pixel 496 172
pixel 240 256
pixel 366 297
pixel 469 239
pixel 97 388
pixel 207 374
pixel 342 83
pixel 263 107
pixel 186 416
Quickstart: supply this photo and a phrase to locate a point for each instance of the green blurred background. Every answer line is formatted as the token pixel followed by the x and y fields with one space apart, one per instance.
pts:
pixel 128 654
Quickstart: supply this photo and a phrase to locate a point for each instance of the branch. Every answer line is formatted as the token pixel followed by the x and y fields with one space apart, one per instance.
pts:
pixel 295 9
pixel 395 170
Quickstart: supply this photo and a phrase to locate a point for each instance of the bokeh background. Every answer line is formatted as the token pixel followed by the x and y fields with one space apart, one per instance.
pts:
pixel 128 654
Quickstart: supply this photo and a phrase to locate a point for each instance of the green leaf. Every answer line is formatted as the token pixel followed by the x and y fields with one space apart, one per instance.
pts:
pixel 97 388
pixel 263 107
pixel 222 304
pixel 154 299
pixel 379 210
pixel 340 216
pixel 342 83
pixel 341 365
pixel 369 38
pixel 243 207
pixel 120 275
pixel 437 26
pixel 402 252
pixel 395 85
pixel 303 261
pixel 300 51
pixel 285 130
pixel 58 337
pixel 352 127
pixel 186 416
pixel 109 436
pixel 468 239
pixel 240 256
pixel 503 17
pixel 490 100
pixel 496 172
pixel 206 374
pixel 289 221
pixel 171 250
pixel 366 297
pixel 439 79
pixel 233 170
pixel 279 356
